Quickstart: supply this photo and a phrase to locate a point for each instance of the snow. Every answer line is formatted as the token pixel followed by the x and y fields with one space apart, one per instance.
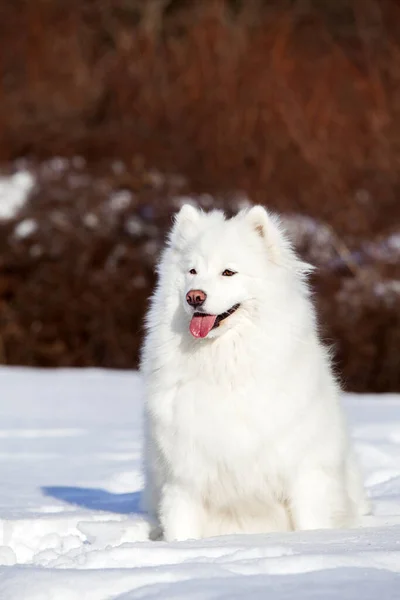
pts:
pixel 120 200
pixel 58 164
pixel 25 228
pixel 14 191
pixel 71 527
pixel 386 288
pixel 91 220
pixel 134 226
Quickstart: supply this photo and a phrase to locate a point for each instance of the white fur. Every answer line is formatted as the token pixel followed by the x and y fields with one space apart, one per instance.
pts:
pixel 244 430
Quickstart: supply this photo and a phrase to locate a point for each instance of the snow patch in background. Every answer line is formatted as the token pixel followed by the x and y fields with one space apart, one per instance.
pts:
pixel 120 200
pixel 25 228
pixel 14 191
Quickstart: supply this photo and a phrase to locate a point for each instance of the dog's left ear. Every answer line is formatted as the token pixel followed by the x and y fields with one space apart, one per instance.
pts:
pixel 269 228
pixel 258 217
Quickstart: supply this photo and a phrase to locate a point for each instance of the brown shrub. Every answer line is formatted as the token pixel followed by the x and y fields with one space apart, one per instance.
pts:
pixel 77 266
pixel 295 103
pixel 297 106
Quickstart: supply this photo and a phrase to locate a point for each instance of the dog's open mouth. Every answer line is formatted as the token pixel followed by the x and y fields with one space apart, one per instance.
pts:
pixel 201 324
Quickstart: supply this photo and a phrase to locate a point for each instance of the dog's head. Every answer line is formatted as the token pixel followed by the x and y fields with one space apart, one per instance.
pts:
pixel 229 268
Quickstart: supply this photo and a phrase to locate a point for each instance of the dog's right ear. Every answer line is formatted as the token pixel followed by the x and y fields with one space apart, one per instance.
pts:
pixel 186 223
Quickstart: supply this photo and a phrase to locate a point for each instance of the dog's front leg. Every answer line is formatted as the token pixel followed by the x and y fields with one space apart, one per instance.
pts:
pixel 181 515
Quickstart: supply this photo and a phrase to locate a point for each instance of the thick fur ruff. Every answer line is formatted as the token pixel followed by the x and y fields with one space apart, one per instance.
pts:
pixel 244 429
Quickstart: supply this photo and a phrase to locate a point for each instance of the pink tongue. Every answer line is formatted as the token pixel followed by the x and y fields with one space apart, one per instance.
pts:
pixel 200 326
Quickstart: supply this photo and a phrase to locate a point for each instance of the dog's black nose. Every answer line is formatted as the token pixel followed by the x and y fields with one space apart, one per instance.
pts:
pixel 196 298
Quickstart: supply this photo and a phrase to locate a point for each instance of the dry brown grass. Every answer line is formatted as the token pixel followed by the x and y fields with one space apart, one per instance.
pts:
pixel 295 102
pixel 297 106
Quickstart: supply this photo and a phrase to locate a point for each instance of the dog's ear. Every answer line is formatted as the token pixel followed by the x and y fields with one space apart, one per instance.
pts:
pixel 269 228
pixel 258 217
pixel 187 214
pixel 186 223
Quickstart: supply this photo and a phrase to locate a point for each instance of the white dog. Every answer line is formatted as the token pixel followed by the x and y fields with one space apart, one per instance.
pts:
pixel 244 430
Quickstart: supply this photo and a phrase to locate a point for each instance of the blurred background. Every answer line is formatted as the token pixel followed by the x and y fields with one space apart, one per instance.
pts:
pixel 115 112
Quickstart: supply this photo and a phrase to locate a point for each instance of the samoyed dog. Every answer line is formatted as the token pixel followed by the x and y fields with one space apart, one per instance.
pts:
pixel 243 424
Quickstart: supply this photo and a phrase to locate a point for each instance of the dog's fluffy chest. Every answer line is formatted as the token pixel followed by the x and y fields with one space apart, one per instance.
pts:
pixel 211 435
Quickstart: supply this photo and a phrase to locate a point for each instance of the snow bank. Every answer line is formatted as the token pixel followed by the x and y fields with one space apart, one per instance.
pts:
pixel 70 526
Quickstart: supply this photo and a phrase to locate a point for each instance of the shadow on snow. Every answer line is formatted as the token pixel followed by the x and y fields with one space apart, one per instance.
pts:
pixel 96 499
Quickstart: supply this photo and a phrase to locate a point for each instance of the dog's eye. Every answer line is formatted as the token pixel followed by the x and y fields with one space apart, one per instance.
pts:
pixel 193 272
pixel 228 273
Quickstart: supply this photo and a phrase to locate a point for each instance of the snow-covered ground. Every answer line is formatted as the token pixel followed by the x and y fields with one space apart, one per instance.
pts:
pixel 70 464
